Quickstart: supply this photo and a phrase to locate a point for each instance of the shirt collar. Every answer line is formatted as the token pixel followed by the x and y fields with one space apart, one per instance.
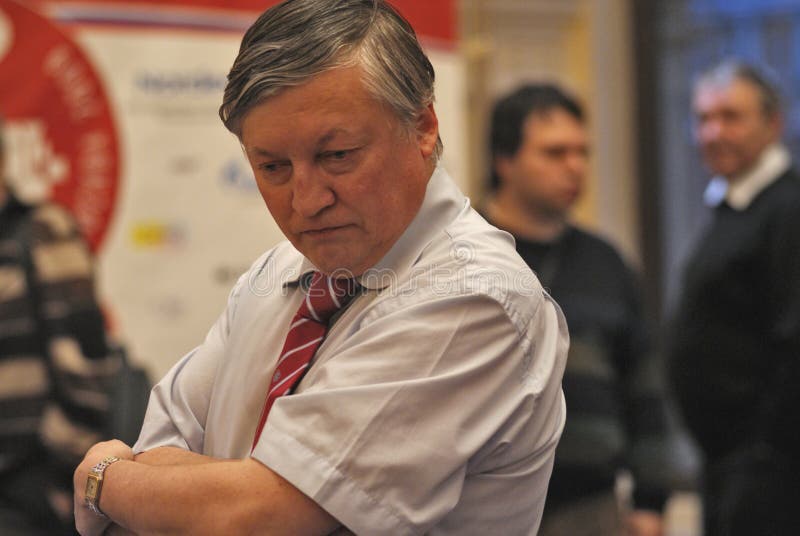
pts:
pixel 442 203
pixel 295 277
pixel 772 163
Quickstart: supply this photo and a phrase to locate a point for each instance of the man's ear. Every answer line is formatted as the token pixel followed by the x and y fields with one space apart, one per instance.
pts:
pixel 776 126
pixel 427 131
pixel 503 167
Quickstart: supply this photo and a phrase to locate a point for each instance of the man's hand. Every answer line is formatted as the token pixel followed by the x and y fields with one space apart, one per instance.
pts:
pixel 644 523
pixel 86 521
pixel 116 530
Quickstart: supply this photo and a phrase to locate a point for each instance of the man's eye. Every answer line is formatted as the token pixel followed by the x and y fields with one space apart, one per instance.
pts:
pixel 275 172
pixel 337 155
pixel 272 167
pixel 339 160
pixel 731 116
pixel 556 152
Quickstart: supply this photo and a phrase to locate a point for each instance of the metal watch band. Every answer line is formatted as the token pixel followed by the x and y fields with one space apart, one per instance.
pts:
pixel 94 509
pixel 98 470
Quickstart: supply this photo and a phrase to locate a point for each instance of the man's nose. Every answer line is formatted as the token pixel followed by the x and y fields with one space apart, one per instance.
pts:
pixel 710 130
pixel 577 162
pixel 311 192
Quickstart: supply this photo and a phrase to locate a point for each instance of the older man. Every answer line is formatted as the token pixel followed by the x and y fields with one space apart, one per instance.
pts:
pixel 735 344
pixel 421 357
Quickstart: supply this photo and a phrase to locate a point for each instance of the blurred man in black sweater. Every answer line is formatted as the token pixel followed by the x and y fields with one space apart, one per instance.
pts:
pixel 735 342
pixel 616 416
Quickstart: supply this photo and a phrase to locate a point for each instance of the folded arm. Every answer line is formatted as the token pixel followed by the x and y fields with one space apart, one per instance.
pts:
pixel 172 456
pixel 198 497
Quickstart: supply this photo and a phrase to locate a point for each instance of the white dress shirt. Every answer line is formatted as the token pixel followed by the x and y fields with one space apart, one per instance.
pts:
pixel 433 406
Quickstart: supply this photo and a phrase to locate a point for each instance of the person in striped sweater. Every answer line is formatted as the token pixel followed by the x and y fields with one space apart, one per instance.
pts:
pixel 55 364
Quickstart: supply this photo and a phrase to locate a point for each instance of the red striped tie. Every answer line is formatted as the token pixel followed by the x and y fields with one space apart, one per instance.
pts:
pixel 324 297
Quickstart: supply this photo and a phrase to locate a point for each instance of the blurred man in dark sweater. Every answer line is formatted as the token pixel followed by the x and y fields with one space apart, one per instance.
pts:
pixel 540 152
pixel 735 342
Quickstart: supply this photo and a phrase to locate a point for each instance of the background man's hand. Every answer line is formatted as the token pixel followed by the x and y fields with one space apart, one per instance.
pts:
pixel 86 521
pixel 116 530
pixel 644 523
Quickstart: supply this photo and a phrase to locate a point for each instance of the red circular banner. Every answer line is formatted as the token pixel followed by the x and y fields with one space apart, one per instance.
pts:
pixel 59 134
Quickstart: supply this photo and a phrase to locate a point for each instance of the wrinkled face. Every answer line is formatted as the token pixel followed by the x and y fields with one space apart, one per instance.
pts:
pixel 732 129
pixel 549 169
pixel 342 177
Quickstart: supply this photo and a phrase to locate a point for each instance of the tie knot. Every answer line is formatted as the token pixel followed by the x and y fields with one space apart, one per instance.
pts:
pixel 325 296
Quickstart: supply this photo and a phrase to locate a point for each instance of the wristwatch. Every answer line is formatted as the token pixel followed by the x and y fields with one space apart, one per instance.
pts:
pixel 94 484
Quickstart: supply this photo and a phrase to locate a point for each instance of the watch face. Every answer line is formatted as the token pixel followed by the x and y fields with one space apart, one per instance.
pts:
pixel 92 484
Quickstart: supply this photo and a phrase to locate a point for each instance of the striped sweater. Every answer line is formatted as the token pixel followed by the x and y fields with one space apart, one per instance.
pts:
pixel 54 363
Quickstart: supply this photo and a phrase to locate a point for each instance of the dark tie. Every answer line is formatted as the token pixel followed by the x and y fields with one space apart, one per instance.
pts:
pixel 324 297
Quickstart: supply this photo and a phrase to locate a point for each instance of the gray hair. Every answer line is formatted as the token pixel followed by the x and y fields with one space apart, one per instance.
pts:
pixel 761 78
pixel 299 39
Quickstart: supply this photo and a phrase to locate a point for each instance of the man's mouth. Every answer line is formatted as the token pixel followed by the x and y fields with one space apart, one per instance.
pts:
pixel 322 232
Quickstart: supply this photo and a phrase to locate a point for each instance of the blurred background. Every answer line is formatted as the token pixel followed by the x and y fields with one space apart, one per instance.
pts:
pixel 111 110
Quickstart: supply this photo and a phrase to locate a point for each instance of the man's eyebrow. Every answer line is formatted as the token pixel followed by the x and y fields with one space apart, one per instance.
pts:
pixel 331 134
pixel 258 151
pixel 326 138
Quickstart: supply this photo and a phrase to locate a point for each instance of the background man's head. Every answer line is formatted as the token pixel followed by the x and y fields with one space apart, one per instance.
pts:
pixel 738 114
pixel 332 102
pixel 539 148
pixel 298 39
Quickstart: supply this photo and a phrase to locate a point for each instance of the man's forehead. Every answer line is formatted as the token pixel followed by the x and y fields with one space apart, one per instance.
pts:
pixel 552 116
pixel 319 139
pixel 553 122
pixel 735 92
pixel 328 106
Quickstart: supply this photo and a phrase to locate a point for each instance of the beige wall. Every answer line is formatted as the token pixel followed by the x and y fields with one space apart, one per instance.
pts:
pixel 583 45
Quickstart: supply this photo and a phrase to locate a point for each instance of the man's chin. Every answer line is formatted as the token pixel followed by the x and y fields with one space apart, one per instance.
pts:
pixel 724 166
pixel 332 265
pixel 728 172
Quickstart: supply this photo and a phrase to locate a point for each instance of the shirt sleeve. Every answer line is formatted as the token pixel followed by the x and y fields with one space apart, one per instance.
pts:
pixel 178 405
pixel 386 433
